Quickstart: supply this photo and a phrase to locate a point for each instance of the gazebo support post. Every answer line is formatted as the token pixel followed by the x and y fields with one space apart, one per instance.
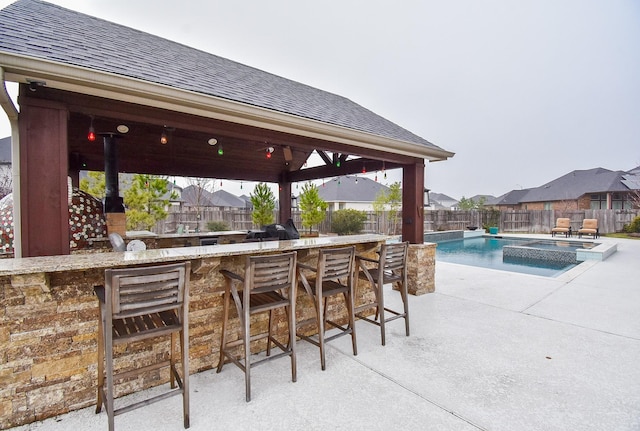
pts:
pixel 412 203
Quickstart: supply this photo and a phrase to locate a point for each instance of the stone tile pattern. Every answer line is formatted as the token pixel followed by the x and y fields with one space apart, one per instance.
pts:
pixel 421 267
pixel 48 329
pixel 539 255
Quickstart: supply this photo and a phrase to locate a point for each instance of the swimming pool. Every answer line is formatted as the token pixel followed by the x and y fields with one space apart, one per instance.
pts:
pixel 487 252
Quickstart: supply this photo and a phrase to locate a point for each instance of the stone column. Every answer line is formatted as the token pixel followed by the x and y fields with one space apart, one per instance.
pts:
pixel 421 267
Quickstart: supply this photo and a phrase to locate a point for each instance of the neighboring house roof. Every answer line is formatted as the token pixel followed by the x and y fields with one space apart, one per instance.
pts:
pixel 577 183
pixel 513 197
pixel 5 150
pixel 632 179
pixel 440 197
pixel 350 189
pixel 219 198
pixel 488 199
pixel 34 29
pixel 441 201
pixel 222 198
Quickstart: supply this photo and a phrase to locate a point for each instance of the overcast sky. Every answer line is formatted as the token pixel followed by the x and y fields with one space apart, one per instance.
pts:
pixel 522 91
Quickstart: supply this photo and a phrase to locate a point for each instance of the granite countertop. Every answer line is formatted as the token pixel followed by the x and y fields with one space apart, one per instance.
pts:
pixel 137 234
pixel 76 262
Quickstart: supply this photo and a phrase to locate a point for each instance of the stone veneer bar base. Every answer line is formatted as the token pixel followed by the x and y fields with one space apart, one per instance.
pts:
pixel 421 267
pixel 49 320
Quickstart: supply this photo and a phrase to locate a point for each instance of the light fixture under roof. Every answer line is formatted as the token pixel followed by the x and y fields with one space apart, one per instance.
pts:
pixel 123 128
pixel 212 141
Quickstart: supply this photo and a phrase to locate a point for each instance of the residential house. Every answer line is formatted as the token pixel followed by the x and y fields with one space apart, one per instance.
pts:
pixel 596 188
pixel 440 201
pixel 350 192
pixel 195 197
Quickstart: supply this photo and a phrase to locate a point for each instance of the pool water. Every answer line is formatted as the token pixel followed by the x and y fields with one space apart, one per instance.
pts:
pixel 487 253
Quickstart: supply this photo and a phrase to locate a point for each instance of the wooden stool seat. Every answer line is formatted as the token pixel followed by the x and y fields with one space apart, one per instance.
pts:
pixel 138 304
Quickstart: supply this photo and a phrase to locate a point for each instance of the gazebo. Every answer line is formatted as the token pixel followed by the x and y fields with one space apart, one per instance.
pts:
pixel 95 95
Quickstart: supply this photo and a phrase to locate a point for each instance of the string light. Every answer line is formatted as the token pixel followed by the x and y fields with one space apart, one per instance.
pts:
pixel 269 152
pixel 163 138
pixel 220 150
pixel 364 169
pixel 91 136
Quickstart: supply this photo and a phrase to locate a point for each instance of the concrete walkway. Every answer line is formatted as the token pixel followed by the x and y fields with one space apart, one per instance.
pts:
pixel 489 350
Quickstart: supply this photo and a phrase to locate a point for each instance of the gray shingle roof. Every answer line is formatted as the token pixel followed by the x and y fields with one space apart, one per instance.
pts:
pixel 42 30
pixel 345 189
pixel 219 198
pixel 510 198
pixel 577 183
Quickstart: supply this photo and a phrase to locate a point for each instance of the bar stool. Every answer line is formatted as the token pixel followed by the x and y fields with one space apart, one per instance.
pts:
pixel 268 284
pixel 333 275
pixel 390 267
pixel 139 304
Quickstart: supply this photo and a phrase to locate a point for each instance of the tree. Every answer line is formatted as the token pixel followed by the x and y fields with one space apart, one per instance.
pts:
pixel 348 221
pixel 6 183
pixel 146 201
pixel 391 201
pixel 466 204
pixel 94 184
pixel 201 187
pixel 312 206
pixel 264 202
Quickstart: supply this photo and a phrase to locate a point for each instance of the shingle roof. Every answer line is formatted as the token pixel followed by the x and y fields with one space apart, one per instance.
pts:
pixel 577 183
pixel 219 198
pixel 34 28
pixel 350 189
pixel 510 198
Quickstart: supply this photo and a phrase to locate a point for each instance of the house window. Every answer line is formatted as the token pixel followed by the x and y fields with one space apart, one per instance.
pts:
pixel 621 201
pixel 548 205
pixel 598 201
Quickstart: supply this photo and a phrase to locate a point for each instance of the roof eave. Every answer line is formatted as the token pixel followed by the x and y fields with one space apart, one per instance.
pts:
pixel 112 86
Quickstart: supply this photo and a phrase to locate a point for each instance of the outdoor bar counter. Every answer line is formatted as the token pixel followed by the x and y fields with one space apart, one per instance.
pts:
pixel 49 317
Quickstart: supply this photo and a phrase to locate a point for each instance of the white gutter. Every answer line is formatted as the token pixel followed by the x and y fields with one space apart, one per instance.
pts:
pixel 118 87
pixel 12 113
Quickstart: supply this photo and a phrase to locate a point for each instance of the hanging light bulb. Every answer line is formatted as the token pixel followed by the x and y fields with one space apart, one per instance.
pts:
pixel 240 185
pixel 91 136
pixel 269 152
pixel 163 138
pixel 356 180
pixel 220 150
pixel 364 169
pixel 384 171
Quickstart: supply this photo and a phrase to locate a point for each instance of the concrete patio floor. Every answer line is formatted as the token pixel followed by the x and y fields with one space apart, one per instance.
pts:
pixel 489 350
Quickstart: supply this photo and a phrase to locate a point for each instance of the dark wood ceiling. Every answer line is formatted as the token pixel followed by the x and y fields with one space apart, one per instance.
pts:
pixel 188 152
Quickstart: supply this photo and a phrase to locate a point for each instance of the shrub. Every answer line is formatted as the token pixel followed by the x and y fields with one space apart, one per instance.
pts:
pixel 633 227
pixel 348 222
pixel 217 226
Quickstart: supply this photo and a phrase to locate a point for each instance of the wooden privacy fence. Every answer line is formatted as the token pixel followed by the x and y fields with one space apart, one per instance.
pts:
pixel 529 221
